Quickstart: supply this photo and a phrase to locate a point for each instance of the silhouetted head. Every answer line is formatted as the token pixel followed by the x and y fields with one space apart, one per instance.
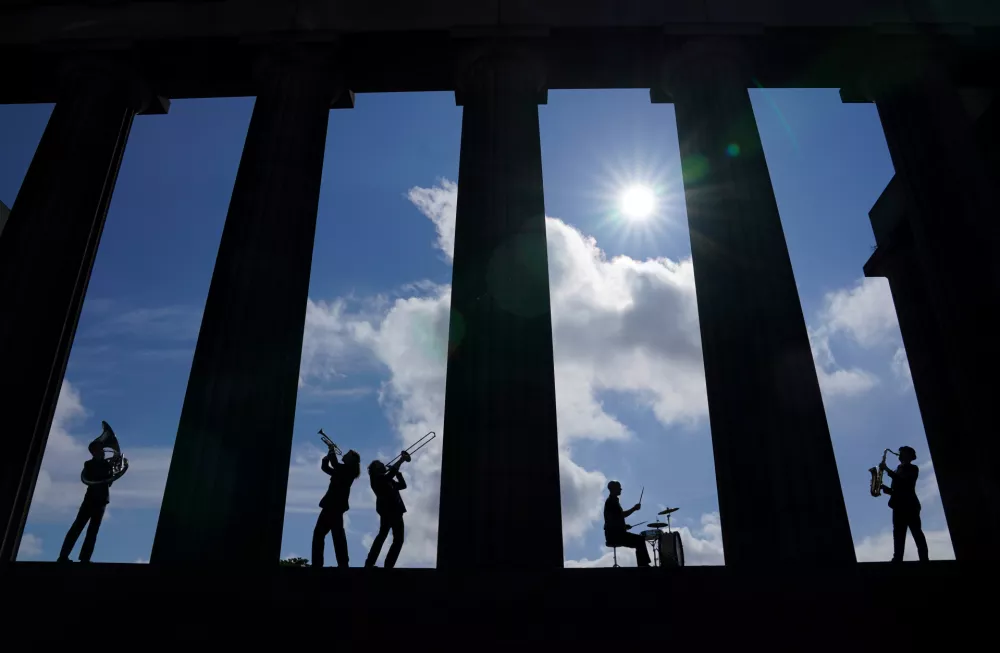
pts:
pixel 96 450
pixel 376 467
pixel 353 462
pixel 907 455
pixel 615 488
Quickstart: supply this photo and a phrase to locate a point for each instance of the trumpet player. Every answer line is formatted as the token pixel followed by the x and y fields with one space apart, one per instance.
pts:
pixel 334 504
pixel 386 483
pixel 905 505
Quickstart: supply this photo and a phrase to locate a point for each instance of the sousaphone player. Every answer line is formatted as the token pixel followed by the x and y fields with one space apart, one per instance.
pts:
pixel 98 474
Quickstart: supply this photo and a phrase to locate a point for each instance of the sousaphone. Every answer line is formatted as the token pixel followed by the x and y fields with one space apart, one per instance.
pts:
pixel 108 441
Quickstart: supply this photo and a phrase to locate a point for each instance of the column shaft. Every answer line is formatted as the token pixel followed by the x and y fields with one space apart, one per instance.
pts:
pixel 225 495
pixel 500 504
pixel 46 255
pixel 765 408
pixel 951 205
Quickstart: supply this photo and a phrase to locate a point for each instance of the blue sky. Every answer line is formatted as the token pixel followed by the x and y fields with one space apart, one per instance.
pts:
pixel 630 388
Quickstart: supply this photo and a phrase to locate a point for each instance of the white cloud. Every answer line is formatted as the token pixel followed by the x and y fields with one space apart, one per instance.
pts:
pixel 862 314
pixel 439 203
pixel 865 312
pixel 845 383
pixel 927 485
pixel 58 490
pixel 878 548
pixel 702 546
pixel 31 546
pixel 901 368
pixel 626 558
pixel 619 325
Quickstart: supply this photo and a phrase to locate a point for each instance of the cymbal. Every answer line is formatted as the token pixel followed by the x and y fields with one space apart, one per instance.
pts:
pixel 668 511
pixel 657 524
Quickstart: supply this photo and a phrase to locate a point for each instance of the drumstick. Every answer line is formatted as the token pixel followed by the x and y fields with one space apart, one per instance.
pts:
pixel 642 493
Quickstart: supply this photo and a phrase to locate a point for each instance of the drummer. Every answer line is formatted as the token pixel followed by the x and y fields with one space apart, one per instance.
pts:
pixel 616 530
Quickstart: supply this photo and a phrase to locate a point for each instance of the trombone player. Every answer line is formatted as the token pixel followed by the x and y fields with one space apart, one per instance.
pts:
pixel 334 503
pixel 386 483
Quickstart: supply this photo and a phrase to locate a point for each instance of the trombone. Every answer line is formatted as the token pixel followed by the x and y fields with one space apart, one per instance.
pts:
pixel 329 443
pixel 416 446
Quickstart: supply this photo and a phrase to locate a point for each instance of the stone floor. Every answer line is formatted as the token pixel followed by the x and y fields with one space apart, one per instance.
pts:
pixel 861 607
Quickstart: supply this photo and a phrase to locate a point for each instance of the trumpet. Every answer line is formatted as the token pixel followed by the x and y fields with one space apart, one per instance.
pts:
pixel 421 442
pixel 329 443
pixel 876 472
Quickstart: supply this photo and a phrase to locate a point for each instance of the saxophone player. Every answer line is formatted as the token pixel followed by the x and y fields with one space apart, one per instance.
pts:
pixel 334 504
pixel 386 483
pixel 904 504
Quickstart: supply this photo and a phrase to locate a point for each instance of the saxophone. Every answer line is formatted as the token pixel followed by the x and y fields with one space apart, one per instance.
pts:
pixel 876 472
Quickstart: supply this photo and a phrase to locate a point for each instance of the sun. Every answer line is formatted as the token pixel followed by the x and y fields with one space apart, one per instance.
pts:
pixel 638 202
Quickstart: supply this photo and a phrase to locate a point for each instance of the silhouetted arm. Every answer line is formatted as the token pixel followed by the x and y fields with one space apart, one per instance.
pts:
pixel 329 463
pixel 891 473
pixel 399 483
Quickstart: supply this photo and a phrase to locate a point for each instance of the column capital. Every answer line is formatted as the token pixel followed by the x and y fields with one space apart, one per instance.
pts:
pixel 111 73
pixel 892 70
pixel 699 63
pixel 515 65
pixel 304 68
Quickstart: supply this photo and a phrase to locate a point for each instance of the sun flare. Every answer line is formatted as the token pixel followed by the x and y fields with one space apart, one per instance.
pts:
pixel 638 202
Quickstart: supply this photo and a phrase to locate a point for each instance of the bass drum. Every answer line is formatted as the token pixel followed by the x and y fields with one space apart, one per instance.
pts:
pixel 671 550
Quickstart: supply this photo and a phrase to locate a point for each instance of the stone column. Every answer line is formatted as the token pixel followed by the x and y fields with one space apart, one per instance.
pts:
pixel 951 197
pixel 225 495
pixel 46 256
pixel 779 492
pixel 4 212
pixel 500 505
pixel 927 353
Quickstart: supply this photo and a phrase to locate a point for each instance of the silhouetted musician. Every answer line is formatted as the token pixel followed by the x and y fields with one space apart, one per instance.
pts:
pixel 616 531
pixel 334 504
pixel 94 502
pixel 905 505
pixel 386 483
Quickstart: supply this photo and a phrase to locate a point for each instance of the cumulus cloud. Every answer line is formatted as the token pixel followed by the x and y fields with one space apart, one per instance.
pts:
pixel 619 325
pixel 58 490
pixel 901 368
pixel 864 312
pixel 439 203
pixel 31 546
pixel 702 546
pixel 863 315
pixel 927 485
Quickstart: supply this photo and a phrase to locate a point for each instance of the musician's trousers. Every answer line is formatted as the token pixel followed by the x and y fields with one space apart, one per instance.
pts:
pixel 330 520
pixel 901 520
pixel 387 523
pixel 92 512
pixel 632 541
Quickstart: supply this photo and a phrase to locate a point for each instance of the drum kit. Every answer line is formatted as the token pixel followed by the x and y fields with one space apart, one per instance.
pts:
pixel 667 548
